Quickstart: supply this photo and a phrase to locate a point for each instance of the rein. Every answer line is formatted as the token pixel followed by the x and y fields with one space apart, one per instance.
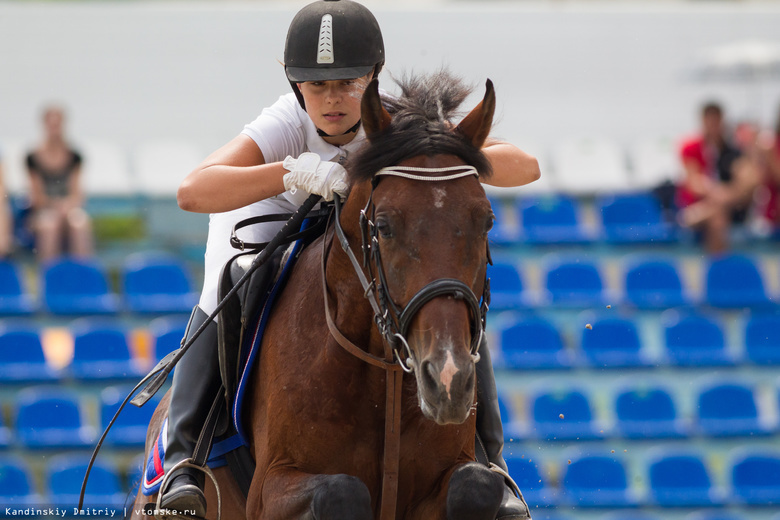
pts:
pixel 392 322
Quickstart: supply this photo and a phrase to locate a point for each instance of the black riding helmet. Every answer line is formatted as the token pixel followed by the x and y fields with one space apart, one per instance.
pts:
pixel 332 40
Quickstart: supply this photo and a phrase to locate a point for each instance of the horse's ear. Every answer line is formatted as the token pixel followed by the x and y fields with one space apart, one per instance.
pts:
pixel 374 116
pixel 476 125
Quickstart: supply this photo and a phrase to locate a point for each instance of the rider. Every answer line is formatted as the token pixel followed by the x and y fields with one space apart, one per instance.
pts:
pixel 295 148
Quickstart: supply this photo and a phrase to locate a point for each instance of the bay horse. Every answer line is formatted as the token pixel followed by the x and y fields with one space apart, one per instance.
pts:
pixel 337 431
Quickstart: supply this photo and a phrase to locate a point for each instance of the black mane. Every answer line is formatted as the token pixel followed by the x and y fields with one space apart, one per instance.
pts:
pixel 421 125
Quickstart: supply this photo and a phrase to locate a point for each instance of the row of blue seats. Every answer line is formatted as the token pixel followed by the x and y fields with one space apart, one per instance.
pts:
pixel 150 283
pixel 628 218
pixel 649 282
pixel 557 219
pixel 689 338
pixel 642 410
pixel 158 284
pixel 57 418
pixel 61 487
pixel 101 350
pixel 673 477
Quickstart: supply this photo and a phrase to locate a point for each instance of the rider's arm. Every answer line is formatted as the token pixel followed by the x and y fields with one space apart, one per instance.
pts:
pixel 511 165
pixel 232 177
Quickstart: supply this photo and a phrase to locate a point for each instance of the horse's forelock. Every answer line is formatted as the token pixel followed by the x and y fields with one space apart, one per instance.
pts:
pixel 421 125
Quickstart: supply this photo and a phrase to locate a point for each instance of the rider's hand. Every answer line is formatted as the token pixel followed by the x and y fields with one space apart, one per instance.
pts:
pixel 311 174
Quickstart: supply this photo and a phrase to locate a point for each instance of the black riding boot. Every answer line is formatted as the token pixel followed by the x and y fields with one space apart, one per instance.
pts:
pixel 490 436
pixel 196 382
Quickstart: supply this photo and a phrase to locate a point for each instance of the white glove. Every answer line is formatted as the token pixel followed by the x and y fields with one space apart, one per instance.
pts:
pixel 311 174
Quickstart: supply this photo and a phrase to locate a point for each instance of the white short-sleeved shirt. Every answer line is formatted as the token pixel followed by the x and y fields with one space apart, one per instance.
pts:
pixel 280 130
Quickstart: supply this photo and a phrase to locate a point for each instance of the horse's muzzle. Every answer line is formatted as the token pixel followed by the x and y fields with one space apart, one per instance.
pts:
pixel 446 388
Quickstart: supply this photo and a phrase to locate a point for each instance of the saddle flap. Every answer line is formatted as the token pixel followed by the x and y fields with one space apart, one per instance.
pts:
pixel 241 311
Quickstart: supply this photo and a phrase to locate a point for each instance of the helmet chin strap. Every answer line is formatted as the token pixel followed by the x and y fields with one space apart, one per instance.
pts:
pixel 351 130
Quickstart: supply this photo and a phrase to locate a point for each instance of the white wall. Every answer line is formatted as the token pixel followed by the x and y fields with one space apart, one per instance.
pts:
pixel 135 71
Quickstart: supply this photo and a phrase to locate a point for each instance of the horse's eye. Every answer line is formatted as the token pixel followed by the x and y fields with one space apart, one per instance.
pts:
pixel 383 228
pixel 489 222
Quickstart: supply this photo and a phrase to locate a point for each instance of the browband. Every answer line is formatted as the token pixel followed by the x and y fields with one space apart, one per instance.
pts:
pixel 404 171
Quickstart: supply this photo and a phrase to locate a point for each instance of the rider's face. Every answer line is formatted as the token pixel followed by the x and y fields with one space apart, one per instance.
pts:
pixel 334 106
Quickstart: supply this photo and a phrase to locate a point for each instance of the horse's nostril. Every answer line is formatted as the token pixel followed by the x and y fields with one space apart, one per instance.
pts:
pixel 429 375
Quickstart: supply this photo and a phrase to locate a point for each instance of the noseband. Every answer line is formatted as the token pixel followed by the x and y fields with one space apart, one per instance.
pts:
pixel 391 320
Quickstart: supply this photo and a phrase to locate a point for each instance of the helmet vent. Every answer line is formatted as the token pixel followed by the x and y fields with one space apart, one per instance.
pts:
pixel 325 41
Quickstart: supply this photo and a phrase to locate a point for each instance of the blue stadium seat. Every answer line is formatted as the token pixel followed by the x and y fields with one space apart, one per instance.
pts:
pixel 654 284
pixel 101 351
pixel 681 479
pixel 563 415
pixel 762 339
pixel 51 418
pixel 65 475
pixel 167 333
pixel 552 220
pixel 575 283
pixel 17 487
pixel 534 343
pixel 755 477
pixel 6 436
pixel 129 430
pixel 695 340
pixel 648 413
pixel 612 343
pixel 531 478
pixel 155 283
pixel 77 286
pixel 596 481
pixel 21 355
pixel 734 281
pixel 14 300
pixel 513 428
pixel 506 286
pixel 550 514
pixel 714 514
pixel 502 233
pixel 634 218
pixel 630 514
pixel 729 409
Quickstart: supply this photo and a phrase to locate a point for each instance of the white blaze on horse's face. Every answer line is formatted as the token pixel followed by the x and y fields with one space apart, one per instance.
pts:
pixel 448 373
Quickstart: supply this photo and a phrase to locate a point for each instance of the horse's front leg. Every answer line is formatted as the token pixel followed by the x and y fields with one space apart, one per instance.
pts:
pixel 286 494
pixel 474 493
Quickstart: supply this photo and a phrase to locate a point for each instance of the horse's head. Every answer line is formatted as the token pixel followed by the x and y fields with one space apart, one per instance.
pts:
pixel 428 220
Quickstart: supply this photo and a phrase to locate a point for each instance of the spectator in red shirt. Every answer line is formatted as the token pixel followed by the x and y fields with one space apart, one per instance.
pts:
pixel 719 182
pixel 769 148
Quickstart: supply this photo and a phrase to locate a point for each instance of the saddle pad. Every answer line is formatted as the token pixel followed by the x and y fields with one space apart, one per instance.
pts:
pixel 290 257
pixel 154 473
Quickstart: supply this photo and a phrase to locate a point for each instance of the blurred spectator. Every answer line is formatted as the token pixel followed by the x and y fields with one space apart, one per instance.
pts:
pixel 6 229
pixel 769 144
pixel 55 193
pixel 717 189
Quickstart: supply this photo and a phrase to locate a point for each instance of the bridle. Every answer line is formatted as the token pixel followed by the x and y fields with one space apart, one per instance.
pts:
pixel 392 321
